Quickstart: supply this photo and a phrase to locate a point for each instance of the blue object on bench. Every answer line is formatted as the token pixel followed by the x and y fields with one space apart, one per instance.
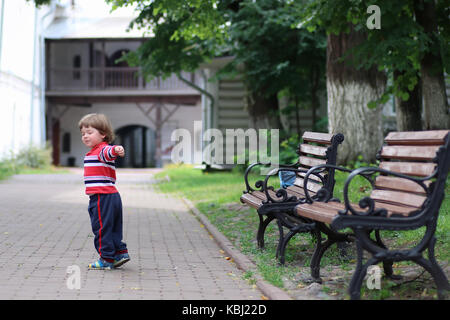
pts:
pixel 287 178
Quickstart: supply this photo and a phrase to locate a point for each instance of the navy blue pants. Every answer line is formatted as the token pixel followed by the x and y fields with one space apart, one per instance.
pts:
pixel 105 211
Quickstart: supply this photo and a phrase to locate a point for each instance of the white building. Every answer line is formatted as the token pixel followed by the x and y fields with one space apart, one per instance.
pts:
pixel 83 76
pixel 65 57
pixel 21 45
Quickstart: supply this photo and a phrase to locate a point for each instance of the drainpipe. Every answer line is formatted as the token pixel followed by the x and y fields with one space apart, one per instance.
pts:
pixel 33 76
pixel 2 15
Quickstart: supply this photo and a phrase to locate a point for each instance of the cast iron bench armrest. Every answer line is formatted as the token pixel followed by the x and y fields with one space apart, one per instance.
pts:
pixel 282 193
pixel 259 183
pixel 368 202
pixel 323 194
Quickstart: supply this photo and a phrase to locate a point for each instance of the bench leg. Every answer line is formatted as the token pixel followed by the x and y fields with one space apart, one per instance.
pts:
pixel 262 229
pixel 280 239
pixel 282 246
pixel 435 270
pixel 320 249
pixel 359 273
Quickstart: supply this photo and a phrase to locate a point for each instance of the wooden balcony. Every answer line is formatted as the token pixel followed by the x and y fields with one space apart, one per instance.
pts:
pixel 122 84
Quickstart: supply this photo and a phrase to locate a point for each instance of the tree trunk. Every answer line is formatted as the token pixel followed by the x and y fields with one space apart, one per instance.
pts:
pixel 349 91
pixel 408 113
pixel 263 111
pixel 436 113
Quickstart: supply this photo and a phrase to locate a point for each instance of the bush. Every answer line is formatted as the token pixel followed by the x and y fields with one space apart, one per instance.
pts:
pixel 288 149
pixel 7 168
pixel 28 157
pixel 34 157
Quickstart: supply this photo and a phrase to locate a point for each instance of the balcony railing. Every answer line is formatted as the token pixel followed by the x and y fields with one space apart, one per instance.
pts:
pixel 115 78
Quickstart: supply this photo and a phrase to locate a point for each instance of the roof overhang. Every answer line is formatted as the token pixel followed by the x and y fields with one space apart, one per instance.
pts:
pixel 93 28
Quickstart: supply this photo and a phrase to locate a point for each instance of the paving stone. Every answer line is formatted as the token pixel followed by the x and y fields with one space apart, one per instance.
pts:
pixel 45 228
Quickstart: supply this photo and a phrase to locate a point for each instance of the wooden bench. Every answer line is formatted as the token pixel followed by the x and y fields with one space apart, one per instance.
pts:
pixel 408 188
pixel 316 148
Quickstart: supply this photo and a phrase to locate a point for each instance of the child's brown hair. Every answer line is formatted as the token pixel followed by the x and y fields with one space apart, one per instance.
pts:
pixel 100 122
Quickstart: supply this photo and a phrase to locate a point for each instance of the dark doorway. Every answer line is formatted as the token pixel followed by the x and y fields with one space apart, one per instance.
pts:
pixel 139 144
pixel 56 128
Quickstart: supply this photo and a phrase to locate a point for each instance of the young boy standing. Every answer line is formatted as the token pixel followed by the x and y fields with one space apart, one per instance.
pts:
pixel 105 205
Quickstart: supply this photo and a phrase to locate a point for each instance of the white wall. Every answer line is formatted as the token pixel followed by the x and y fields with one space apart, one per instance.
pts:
pixel 20 122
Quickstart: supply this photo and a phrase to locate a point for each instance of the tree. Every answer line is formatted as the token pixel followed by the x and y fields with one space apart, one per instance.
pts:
pixel 431 64
pixel 397 48
pixel 185 35
pixel 273 56
pixel 349 92
pixel 349 89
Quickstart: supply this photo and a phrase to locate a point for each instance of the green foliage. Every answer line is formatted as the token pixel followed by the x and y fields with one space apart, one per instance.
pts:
pixel 196 19
pixel 288 147
pixel 322 125
pixel 39 3
pixel 399 45
pixel 359 163
pixel 170 48
pixel 271 52
pixel 28 157
pixel 34 157
pixel 7 168
pixel 186 34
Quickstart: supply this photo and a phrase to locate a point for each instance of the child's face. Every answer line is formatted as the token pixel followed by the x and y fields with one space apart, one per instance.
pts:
pixel 91 136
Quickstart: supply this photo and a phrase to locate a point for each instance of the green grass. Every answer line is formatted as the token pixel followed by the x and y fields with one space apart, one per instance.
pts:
pixel 48 170
pixel 217 194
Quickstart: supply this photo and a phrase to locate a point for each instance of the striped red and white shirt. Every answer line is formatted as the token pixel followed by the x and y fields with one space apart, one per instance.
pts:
pixel 100 169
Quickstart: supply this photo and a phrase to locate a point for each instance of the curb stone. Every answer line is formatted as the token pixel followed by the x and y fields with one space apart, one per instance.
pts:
pixel 241 260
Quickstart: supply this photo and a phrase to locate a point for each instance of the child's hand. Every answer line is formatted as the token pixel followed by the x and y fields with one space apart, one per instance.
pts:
pixel 119 150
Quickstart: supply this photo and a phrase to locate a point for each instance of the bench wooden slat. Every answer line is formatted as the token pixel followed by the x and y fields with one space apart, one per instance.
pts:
pixel 251 200
pixel 256 198
pixel 311 176
pixel 311 185
pixel 324 138
pixel 314 150
pixel 261 195
pixel 426 153
pixel 434 137
pixel 325 212
pixel 400 184
pixel 409 168
pixel 310 161
pixel 398 197
pixel 392 208
pixel 297 191
pixel 316 211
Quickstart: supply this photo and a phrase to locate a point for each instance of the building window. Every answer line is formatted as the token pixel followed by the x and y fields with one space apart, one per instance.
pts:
pixel 76 65
pixel 66 142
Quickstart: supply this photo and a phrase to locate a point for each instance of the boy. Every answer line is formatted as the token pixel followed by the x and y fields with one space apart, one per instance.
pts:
pixel 105 205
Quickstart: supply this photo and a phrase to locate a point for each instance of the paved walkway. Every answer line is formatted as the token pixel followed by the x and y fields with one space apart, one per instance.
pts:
pixel 45 228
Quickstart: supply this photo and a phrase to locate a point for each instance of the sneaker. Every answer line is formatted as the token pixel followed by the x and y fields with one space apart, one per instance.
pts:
pixel 101 264
pixel 121 259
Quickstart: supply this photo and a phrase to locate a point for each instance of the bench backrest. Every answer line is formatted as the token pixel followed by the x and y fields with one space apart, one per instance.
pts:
pixel 418 154
pixel 316 149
